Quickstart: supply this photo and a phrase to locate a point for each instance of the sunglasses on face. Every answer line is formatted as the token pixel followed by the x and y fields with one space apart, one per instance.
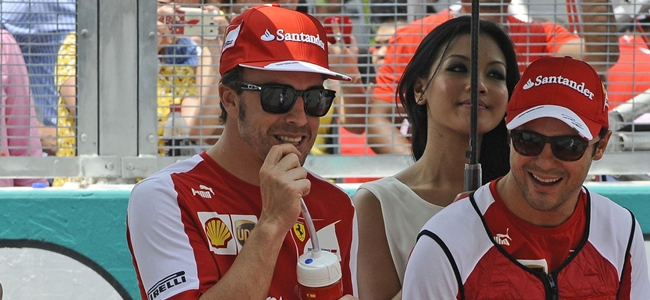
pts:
pixel 566 148
pixel 279 99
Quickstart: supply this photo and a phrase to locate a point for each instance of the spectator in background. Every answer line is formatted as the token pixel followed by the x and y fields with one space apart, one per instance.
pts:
pixel 631 75
pixel 532 39
pixel 435 91
pixel 628 78
pixel 178 58
pixel 350 105
pixel 182 66
pixel 39 27
pixel 384 32
pixel 388 15
pixel 66 80
pixel 18 122
pixel 200 112
pixel 236 7
pixel 351 9
pixel 366 14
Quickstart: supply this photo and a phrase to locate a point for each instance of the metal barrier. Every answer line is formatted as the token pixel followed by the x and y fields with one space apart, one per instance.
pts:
pixel 117 126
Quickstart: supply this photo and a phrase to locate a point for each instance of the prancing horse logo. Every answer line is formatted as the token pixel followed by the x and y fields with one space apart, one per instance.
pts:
pixel 299 230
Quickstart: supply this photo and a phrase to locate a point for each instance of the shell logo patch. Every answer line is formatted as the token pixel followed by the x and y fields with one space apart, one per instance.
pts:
pixel 217 232
pixel 225 234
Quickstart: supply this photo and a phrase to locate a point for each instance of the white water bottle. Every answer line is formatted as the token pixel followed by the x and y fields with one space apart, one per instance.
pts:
pixel 319 276
pixel 319 272
pixel 176 134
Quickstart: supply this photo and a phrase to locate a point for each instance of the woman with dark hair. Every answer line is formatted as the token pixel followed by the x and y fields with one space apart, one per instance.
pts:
pixel 435 90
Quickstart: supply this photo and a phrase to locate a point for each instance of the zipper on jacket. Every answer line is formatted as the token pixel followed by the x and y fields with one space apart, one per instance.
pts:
pixel 553 293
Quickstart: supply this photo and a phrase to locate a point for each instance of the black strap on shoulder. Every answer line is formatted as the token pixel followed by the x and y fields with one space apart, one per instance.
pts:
pixel 627 253
pixel 450 257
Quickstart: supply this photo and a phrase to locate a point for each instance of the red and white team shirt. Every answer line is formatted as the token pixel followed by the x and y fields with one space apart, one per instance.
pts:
pixel 477 249
pixel 187 223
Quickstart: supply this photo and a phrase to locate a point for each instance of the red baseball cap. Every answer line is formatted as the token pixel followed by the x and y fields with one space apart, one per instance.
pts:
pixel 269 37
pixel 564 88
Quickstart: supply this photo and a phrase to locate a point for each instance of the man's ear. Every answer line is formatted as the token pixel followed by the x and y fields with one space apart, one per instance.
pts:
pixel 602 145
pixel 229 99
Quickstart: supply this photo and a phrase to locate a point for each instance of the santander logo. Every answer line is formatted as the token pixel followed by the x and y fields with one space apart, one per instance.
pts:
pixel 542 80
pixel 267 37
pixel 301 37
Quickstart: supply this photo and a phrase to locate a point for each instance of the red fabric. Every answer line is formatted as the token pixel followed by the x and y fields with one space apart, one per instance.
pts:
pixel 531 242
pixel 630 76
pixel 355 144
pixel 532 41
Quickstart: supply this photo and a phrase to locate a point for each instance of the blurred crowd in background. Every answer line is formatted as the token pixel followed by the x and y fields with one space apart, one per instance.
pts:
pixel 39 68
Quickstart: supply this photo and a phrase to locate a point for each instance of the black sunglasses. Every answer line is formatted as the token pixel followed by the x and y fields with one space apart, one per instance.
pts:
pixel 566 148
pixel 279 99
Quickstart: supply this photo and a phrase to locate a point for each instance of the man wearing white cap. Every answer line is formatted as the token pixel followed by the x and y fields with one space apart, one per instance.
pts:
pixel 227 223
pixel 537 232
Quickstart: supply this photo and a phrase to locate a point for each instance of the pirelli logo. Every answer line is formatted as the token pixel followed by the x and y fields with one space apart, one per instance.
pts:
pixel 165 284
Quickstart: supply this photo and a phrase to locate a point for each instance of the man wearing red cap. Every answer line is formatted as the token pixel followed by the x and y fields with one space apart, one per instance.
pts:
pixel 537 232
pixel 227 224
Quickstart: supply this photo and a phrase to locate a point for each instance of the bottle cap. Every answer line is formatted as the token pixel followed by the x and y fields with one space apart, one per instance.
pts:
pixel 39 185
pixel 318 270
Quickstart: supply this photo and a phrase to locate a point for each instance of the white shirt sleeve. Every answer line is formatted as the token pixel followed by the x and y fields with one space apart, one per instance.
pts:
pixel 640 281
pixel 429 273
pixel 165 258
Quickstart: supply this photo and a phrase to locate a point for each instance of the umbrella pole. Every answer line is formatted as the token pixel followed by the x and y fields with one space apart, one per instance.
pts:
pixel 472 176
